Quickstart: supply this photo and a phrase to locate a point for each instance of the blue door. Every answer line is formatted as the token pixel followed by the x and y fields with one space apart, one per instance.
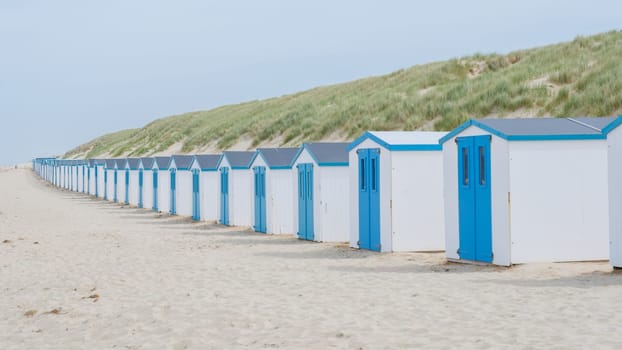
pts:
pixel 224 196
pixel 96 182
pixel 260 198
pixel 83 177
pixel 474 198
pixel 140 188
pixel 305 201
pixel 173 209
pixel 127 186
pixel 369 198
pixel 88 180
pixel 154 206
pixel 196 199
pixel 116 185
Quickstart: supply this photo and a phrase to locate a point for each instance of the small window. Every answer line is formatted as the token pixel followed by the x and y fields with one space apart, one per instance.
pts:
pixel 482 165
pixel 465 166
pixel 362 172
pixel 373 174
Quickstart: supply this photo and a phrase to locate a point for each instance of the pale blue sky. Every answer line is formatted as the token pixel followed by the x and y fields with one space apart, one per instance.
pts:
pixel 71 70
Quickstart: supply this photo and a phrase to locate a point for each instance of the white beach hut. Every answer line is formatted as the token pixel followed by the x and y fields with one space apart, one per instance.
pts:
pixel 206 191
pixel 396 191
pixel 274 190
pixel 162 184
pixel 529 190
pixel 134 175
pixel 236 188
pixel 181 185
pixel 322 208
pixel 146 187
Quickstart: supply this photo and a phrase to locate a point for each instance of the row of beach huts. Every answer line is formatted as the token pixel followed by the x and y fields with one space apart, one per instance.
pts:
pixel 500 191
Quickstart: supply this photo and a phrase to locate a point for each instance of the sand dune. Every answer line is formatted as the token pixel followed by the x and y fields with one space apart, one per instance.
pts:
pixel 79 273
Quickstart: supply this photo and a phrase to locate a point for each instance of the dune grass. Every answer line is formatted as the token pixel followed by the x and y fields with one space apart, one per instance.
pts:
pixel 578 78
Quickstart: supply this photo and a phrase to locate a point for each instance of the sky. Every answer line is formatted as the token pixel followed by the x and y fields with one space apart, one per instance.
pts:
pixel 72 70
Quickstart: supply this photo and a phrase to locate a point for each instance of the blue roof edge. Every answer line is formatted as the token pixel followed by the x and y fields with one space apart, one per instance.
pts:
pixel 390 147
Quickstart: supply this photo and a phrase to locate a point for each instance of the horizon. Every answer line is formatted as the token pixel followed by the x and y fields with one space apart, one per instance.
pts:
pixel 94 69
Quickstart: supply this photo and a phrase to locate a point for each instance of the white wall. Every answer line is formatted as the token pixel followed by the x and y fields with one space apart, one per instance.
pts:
pixel 332 204
pixel 499 182
pixel 147 188
pixel 133 189
pixel 164 191
pixel 241 197
pixel 614 139
pixel 100 181
pixel 184 193
pixel 110 184
pixel 559 201
pixel 210 195
pixel 417 194
pixel 280 198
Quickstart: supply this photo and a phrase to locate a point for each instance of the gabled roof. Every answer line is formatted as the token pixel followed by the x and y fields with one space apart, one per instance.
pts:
pixel 207 162
pixel 121 163
pixel 403 140
pixel 133 163
pixel 239 159
pixel 327 153
pixel 109 163
pixel 161 163
pixel 541 129
pixel 147 162
pixel 278 158
pixel 182 162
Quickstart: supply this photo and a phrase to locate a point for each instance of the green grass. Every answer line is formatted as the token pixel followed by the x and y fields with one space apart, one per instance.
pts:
pixel 577 78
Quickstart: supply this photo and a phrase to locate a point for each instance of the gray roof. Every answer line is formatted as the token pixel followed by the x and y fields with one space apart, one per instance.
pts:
pixel 133 162
pixel 239 159
pixel 109 163
pixel 147 162
pixel 182 161
pixel 161 162
pixel 546 126
pixel 121 163
pixel 278 157
pixel 208 161
pixel 328 152
pixel 599 123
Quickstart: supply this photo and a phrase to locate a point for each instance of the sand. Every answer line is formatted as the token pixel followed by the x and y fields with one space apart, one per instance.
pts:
pixel 79 273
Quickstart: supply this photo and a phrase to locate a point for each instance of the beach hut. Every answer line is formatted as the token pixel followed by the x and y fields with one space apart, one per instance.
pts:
pixel 396 191
pixel 134 176
pixel 236 188
pixel 146 187
pixel 322 208
pixel 206 189
pixel 181 185
pixel 161 184
pixel 528 190
pixel 273 190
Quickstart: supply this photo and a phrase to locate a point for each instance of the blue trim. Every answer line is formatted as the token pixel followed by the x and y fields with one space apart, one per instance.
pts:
pixel 240 168
pixel 282 167
pixel 614 124
pixel 402 147
pixel 305 146
pixel 545 137
pixel 333 164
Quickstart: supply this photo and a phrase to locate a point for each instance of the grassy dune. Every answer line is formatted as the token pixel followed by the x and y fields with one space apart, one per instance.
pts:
pixel 581 77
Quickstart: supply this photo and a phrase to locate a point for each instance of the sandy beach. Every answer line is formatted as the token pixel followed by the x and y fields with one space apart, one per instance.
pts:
pixel 80 273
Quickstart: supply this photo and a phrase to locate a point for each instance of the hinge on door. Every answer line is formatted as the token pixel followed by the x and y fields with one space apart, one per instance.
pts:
pixel 492 256
pixel 358 243
pixel 458 251
pixel 391 204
